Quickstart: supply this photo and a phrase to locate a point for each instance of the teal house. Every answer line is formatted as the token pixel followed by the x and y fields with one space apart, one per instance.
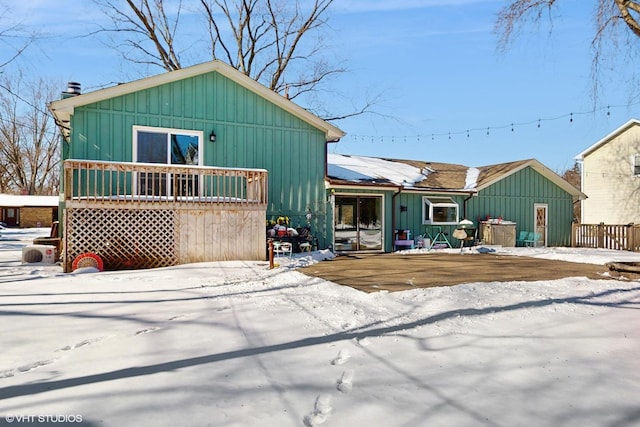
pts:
pixel 187 166
pixel 388 204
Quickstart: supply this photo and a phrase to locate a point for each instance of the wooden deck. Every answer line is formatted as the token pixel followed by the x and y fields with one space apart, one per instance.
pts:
pixel 135 215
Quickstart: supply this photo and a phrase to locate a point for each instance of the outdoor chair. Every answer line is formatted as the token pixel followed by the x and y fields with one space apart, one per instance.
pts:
pixel 283 248
pixel 522 237
pixel 532 239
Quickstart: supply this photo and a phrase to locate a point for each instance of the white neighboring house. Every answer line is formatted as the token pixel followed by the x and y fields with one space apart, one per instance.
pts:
pixel 611 177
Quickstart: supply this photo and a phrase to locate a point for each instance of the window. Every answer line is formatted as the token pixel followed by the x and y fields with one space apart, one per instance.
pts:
pixel 439 210
pixel 636 164
pixel 166 146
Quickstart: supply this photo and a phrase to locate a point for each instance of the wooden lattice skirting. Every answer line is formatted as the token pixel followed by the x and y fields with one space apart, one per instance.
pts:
pixel 123 238
pixel 152 238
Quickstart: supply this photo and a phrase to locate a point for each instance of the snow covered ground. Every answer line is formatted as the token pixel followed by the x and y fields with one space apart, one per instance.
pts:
pixel 237 344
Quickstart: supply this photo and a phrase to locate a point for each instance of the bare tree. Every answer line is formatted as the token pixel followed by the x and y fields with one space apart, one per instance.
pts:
pixel 28 139
pixel 276 42
pixel 148 30
pixel 616 24
pixel 574 177
pixel 13 36
pixel 267 41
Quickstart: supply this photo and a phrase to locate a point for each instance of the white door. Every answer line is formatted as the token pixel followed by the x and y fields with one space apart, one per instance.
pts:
pixel 540 226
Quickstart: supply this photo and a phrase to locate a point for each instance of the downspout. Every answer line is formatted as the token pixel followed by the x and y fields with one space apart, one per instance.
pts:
pixel 464 206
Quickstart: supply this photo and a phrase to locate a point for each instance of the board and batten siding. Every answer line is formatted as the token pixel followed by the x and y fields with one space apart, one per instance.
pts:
pixel 513 198
pixel 251 132
pixel 613 192
pixel 411 219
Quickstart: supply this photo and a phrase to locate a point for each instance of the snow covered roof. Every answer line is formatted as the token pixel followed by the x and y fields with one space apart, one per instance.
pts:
pixel 409 174
pixel 20 201
pixel 429 176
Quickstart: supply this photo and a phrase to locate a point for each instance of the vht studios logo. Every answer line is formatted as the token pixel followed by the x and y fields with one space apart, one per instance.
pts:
pixel 43 418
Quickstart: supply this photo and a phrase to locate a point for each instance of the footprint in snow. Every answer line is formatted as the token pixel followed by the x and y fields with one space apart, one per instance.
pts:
pixel 146 331
pixel 343 357
pixel 345 383
pixel 34 365
pixel 80 344
pixel 363 342
pixel 25 368
pixel 321 411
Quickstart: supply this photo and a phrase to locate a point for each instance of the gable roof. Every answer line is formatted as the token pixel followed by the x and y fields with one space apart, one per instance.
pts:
pixel 489 175
pixel 63 109
pixel 606 139
pixel 413 175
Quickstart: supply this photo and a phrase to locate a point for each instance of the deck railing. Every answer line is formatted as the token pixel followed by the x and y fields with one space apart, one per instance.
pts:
pixel 624 237
pixel 89 182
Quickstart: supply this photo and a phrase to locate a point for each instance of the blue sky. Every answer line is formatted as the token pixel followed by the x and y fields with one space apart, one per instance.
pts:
pixel 434 66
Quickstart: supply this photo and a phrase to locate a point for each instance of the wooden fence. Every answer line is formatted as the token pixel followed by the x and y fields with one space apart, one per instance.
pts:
pixel 618 237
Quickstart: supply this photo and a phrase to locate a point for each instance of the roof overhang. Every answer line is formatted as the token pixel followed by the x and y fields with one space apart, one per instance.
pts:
pixel 63 109
pixel 343 185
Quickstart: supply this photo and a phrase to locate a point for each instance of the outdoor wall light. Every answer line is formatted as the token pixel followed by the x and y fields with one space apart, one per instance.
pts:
pixel 212 136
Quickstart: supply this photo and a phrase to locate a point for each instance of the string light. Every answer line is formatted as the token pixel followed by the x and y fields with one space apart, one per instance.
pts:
pixel 512 125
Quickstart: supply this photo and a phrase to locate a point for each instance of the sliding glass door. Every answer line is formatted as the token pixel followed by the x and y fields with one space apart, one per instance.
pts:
pixel 166 146
pixel 358 223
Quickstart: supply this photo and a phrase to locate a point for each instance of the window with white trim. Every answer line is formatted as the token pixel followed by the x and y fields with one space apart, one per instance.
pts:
pixel 166 146
pixel 636 165
pixel 439 210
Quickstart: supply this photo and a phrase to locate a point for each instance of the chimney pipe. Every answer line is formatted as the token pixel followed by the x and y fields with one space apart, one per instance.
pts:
pixel 73 89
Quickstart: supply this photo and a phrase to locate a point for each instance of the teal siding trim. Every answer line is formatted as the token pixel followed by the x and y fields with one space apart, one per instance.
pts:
pixel 411 219
pixel 251 133
pixel 514 198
